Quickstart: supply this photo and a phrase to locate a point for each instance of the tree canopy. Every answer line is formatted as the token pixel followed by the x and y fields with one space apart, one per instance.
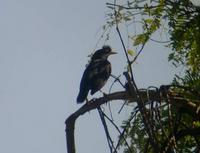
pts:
pixel 170 121
pixel 175 128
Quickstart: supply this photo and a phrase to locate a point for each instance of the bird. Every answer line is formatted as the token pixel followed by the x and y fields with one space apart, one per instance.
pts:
pixel 96 73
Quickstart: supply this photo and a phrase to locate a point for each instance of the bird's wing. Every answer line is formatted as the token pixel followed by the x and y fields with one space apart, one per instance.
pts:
pixel 99 69
pixel 94 77
pixel 101 72
pixel 84 85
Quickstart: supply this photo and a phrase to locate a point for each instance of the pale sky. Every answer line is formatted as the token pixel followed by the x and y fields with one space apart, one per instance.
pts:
pixel 44 46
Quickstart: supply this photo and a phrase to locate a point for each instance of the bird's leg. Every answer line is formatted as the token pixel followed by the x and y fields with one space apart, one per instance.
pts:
pixel 104 94
pixel 87 101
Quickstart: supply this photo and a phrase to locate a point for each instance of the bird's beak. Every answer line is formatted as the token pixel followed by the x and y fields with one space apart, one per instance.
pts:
pixel 113 52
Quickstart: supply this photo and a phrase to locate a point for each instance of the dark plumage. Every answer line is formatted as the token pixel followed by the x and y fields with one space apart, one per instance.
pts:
pixel 96 74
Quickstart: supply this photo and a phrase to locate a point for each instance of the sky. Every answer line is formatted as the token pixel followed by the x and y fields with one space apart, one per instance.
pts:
pixel 44 47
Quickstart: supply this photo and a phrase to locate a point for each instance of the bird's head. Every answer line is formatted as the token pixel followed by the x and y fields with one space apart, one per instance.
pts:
pixel 103 53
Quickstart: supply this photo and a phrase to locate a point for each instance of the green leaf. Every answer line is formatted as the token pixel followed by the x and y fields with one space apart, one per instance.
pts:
pixel 196 123
pixel 140 39
pixel 149 21
pixel 131 52
pixel 171 56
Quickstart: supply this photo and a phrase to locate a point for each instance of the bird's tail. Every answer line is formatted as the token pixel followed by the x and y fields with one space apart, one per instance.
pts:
pixel 82 96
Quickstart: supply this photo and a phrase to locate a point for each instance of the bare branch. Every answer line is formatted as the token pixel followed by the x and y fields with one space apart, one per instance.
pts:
pixel 92 104
pixel 109 139
pixel 132 8
pixel 190 107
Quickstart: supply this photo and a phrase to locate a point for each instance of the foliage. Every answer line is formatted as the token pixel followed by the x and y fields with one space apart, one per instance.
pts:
pixel 172 126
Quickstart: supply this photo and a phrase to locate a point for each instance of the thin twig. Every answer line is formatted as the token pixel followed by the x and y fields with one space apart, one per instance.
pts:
pixel 116 79
pixel 158 41
pixel 134 89
pixel 122 106
pixel 121 39
pixel 143 111
pixel 121 135
pixel 132 8
pixel 125 129
pixel 141 49
pixel 108 137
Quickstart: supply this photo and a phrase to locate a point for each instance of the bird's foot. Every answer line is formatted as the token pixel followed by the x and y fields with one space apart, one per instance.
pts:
pixel 87 102
pixel 104 94
pixel 90 101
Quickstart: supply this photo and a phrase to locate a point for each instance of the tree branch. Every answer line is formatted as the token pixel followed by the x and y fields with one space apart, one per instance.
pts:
pixel 153 95
pixel 93 104
pixel 131 8
pixel 191 131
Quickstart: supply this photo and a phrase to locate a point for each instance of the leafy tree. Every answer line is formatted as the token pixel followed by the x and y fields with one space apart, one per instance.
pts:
pixel 166 119
pixel 181 20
